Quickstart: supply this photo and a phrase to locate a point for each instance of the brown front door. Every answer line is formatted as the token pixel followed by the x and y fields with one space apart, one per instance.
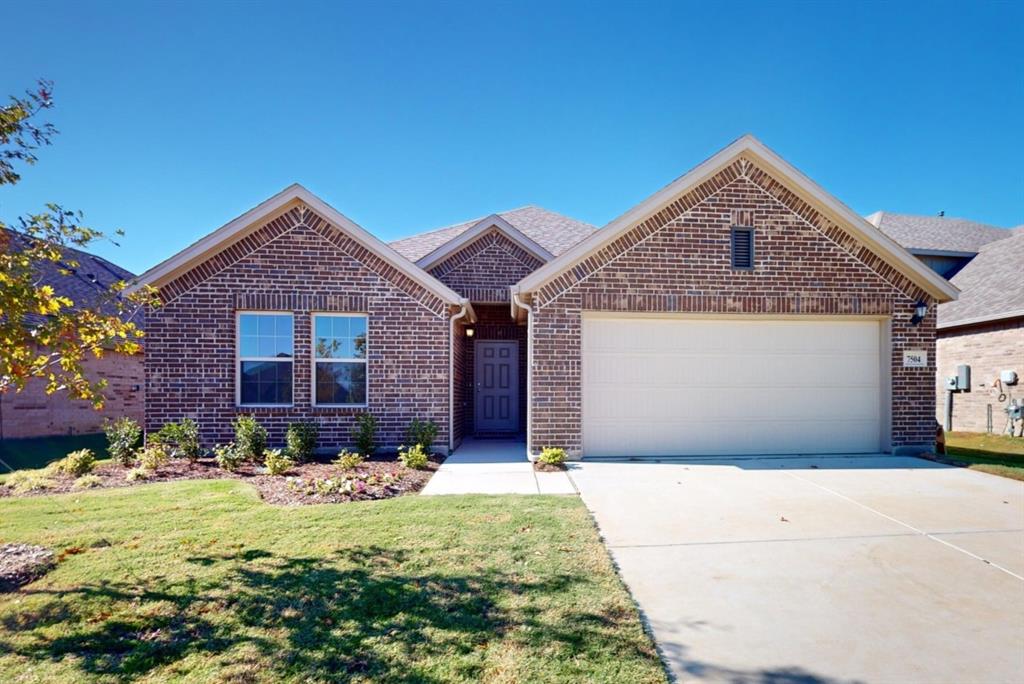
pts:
pixel 497 386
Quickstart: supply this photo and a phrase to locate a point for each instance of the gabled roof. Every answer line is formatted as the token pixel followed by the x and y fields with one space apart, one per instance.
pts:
pixel 553 232
pixel 87 283
pixel 259 215
pixel 797 182
pixel 936 233
pixel 492 222
pixel 991 285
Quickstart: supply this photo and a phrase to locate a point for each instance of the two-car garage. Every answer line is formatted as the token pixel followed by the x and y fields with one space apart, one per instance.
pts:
pixel 690 386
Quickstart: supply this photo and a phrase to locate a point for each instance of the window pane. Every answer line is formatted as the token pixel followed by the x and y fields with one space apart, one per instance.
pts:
pixel 266 335
pixel 247 322
pixel 266 382
pixel 248 346
pixel 340 337
pixel 340 383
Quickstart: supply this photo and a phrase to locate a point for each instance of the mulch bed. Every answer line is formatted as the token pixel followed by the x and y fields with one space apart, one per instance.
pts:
pixel 23 563
pixel 548 467
pixel 370 480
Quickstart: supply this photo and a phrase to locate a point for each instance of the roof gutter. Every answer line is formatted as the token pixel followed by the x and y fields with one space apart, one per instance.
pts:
pixel 517 302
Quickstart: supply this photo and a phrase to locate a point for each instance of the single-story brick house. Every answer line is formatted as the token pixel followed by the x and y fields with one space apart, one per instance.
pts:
pixel 984 327
pixel 34 413
pixel 740 309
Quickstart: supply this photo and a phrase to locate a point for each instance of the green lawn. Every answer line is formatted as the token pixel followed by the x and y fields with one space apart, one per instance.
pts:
pixel 202 581
pixel 16 454
pixel 996 454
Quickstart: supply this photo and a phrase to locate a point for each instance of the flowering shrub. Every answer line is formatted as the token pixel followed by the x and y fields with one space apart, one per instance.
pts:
pixel 348 460
pixel 152 457
pixel 76 463
pixel 348 484
pixel 552 456
pixel 123 437
pixel 300 441
pixel 250 437
pixel 180 439
pixel 276 461
pixel 228 456
pixel 413 457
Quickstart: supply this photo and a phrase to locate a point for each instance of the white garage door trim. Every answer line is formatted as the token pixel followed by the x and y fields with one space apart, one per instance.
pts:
pixel 618 375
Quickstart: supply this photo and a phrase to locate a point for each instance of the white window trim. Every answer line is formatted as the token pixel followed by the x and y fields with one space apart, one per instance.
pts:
pixel 239 359
pixel 314 359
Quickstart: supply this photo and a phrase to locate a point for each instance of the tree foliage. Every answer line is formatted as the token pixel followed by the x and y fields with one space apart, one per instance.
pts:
pixel 44 334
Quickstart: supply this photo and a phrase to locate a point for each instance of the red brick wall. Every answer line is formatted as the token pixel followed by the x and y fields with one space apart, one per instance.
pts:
pixel 296 263
pixel 679 261
pixel 988 349
pixel 34 413
pixel 483 270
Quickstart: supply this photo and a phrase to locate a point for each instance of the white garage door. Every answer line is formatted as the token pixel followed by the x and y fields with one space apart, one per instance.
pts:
pixel 690 387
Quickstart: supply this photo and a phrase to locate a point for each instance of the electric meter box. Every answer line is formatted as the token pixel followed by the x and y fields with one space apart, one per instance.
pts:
pixel 951 383
pixel 1008 377
pixel 963 378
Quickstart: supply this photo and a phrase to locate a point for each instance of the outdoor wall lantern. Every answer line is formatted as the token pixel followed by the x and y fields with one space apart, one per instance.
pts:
pixel 469 332
pixel 920 311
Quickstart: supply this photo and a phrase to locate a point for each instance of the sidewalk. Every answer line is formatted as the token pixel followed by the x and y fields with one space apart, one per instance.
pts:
pixel 489 466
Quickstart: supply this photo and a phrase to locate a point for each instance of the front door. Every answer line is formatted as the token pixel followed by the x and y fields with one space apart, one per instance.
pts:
pixel 497 386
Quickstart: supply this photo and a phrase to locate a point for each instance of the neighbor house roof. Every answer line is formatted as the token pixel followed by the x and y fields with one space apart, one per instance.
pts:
pixel 991 285
pixel 936 233
pixel 795 181
pixel 82 277
pixel 553 232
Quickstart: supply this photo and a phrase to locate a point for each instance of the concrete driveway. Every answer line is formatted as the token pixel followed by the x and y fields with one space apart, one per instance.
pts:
pixel 819 569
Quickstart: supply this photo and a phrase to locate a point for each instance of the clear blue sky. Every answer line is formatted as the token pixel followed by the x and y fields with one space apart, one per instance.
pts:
pixel 176 118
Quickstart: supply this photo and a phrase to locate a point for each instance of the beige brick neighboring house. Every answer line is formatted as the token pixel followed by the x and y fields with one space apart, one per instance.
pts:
pixel 984 328
pixel 34 413
pixel 741 309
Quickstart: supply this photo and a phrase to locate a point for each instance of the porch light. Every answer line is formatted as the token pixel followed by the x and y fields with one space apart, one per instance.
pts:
pixel 920 311
pixel 469 332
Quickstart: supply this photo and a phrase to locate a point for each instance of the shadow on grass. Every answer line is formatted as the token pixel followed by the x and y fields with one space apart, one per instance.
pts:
pixel 354 614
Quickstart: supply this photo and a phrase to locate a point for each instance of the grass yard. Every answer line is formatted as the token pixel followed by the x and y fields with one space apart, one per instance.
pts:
pixel 37 452
pixel 202 581
pixel 996 454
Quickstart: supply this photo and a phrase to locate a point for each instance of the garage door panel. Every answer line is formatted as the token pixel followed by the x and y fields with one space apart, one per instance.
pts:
pixel 695 387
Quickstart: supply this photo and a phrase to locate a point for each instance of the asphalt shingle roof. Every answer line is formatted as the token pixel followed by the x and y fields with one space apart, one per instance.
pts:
pixel 84 284
pixel 936 232
pixel 991 285
pixel 554 232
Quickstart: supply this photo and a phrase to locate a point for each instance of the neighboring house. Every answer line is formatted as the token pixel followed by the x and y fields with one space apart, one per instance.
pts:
pixel 34 413
pixel 984 328
pixel 740 309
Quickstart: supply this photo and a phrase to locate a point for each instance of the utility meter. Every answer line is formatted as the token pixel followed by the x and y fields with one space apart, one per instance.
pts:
pixel 1008 377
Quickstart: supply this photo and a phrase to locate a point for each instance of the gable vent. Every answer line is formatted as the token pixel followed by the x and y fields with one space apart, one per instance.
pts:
pixel 743 248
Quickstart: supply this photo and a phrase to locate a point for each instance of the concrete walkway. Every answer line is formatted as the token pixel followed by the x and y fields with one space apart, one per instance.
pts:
pixel 491 466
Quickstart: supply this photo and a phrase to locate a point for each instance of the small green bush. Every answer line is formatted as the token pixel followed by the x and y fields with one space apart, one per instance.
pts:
pixel 181 439
pixel 250 437
pixel 348 460
pixel 365 434
pixel 25 481
pixel 228 456
pixel 124 436
pixel 76 463
pixel 414 457
pixel 421 433
pixel 152 457
pixel 300 441
pixel 136 474
pixel 87 482
pixel 552 456
pixel 277 462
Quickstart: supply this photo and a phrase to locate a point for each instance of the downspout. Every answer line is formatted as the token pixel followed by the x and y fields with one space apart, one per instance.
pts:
pixel 464 303
pixel 529 371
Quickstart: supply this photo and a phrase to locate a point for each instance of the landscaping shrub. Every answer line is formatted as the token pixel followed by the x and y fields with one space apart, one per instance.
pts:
pixel 25 481
pixel 348 460
pixel 414 457
pixel 421 433
pixel 136 474
pixel 124 436
pixel 277 462
pixel 152 457
pixel 250 437
pixel 228 456
pixel 76 463
pixel 87 482
pixel 365 434
pixel 181 439
pixel 552 456
pixel 300 441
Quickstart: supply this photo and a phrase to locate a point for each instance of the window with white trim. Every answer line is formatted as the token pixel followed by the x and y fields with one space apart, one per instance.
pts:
pixel 339 359
pixel 265 357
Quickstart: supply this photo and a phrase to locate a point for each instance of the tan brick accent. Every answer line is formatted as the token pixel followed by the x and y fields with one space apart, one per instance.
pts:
pixel 483 270
pixel 988 349
pixel 678 260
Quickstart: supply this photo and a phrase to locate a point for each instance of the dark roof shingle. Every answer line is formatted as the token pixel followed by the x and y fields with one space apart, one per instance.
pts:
pixel 991 284
pixel 936 232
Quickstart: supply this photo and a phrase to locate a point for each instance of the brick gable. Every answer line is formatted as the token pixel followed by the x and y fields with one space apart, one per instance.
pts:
pixel 483 270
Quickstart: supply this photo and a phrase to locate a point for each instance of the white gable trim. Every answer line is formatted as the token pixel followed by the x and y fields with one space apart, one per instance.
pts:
pixel 477 230
pixel 748 145
pixel 213 243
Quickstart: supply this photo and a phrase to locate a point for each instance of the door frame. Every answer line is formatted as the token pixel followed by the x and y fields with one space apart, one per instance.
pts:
pixel 514 364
